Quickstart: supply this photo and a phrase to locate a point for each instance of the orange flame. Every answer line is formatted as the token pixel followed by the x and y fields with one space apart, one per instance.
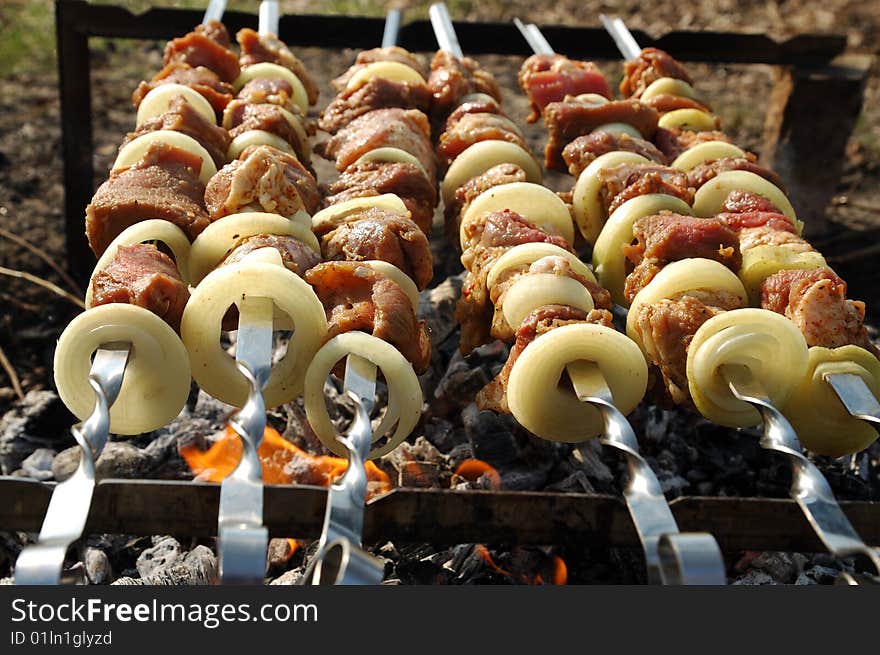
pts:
pixel 558 575
pixel 282 463
pixel 473 469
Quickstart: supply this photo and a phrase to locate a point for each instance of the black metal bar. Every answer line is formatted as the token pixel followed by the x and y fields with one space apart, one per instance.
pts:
pixel 74 82
pixel 437 516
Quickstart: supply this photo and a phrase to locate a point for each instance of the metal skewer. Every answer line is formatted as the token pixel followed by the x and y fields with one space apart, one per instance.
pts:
pixel 269 16
pixel 242 540
pixel 683 558
pixel 392 27
pixel 623 38
pixel 534 37
pixel 809 487
pixel 672 557
pixel 855 396
pixel 214 11
pixel 444 31
pixel 42 563
pixel 339 558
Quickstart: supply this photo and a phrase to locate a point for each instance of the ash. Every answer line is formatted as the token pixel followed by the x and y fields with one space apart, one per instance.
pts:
pixel 689 455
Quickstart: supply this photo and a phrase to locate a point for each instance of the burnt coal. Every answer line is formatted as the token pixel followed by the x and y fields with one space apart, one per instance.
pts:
pixel 40 420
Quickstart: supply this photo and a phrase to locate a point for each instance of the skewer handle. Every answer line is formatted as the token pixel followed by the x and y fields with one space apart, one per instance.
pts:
pixel 683 558
pixel 392 27
pixel 444 31
pixel 242 538
pixel 65 520
pixel 809 487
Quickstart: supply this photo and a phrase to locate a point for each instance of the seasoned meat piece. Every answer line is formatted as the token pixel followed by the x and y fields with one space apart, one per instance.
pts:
pixel 668 327
pixel 549 78
pixel 764 228
pixel 142 275
pixel 241 116
pixel 489 237
pixel 668 237
pixel 200 79
pixel 621 183
pixel 391 53
pixel 472 128
pixel 554 265
pixel 746 202
pixel 262 179
pixel 465 194
pixel 379 234
pixel 258 48
pixel 481 105
pixel 374 178
pixel 270 91
pixel 666 103
pixel 356 297
pixel 648 67
pixel 815 300
pixel 573 118
pixel 181 117
pixel 295 255
pixel 205 46
pixel 163 184
pixel 673 141
pixel 452 78
pixel 701 174
pixel 377 93
pixel 216 31
pixel 581 152
pixel 407 129
pixel 549 317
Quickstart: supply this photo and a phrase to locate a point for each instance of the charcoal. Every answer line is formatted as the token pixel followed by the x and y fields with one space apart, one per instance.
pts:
pixel 198 567
pixel 577 482
pixel 119 459
pixel 818 575
pixel 589 457
pixel 443 434
pixel 784 567
pixel 279 553
pixel 40 420
pixel 523 479
pixel 291 577
pixel 437 308
pixel 97 566
pixel 491 435
pixel 754 577
pixel 164 555
pixel 38 464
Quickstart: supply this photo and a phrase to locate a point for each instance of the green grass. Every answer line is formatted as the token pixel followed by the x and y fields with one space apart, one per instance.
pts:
pixel 27 35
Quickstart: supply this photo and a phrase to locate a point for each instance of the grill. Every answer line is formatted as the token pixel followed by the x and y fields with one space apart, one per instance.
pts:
pixel 811 67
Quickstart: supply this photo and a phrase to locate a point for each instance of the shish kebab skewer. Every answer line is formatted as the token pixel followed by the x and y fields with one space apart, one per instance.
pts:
pixel 672 557
pixel 339 558
pixel 258 283
pixel 115 377
pixel 809 487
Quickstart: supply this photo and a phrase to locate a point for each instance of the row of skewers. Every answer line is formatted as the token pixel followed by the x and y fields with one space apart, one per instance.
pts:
pixel 222 156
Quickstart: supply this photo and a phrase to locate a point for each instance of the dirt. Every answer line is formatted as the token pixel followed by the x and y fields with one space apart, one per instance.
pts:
pixel 31 190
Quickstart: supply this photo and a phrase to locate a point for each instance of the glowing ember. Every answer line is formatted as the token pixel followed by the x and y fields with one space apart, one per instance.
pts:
pixel 282 463
pixel 556 571
pixel 474 469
